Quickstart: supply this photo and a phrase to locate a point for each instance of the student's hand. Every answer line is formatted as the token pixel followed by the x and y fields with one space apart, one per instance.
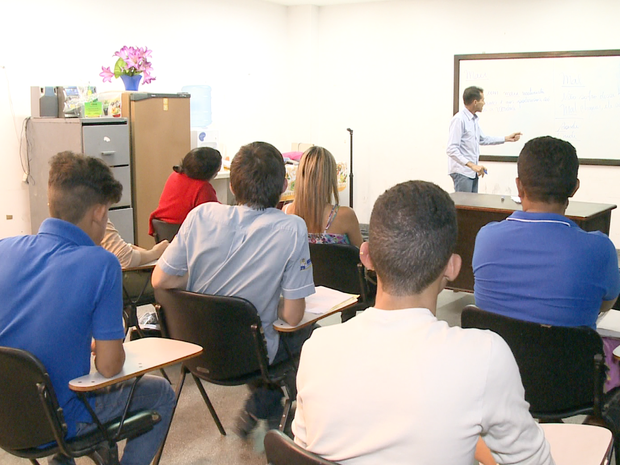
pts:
pixel 514 137
pixel 160 247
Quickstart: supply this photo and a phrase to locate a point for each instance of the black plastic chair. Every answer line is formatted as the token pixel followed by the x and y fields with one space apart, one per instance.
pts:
pixel 230 331
pixel 137 291
pixel 32 425
pixel 562 368
pixel 338 266
pixel 164 231
pixel 282 450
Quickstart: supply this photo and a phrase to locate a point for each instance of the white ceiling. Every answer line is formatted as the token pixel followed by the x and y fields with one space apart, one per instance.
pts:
pixel 320 2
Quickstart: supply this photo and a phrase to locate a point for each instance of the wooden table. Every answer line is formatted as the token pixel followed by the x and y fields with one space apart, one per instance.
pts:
pixel 473 211
pixel 575 444
pixel 141 356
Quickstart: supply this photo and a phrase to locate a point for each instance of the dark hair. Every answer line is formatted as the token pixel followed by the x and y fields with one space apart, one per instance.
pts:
pixel 547 168
pixel 412 235
pixel 472 93
pixel 257 175
pixel 76 183
pixel 200 163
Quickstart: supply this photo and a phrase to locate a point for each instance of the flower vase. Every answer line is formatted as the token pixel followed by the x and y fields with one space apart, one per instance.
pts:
pixel 131 82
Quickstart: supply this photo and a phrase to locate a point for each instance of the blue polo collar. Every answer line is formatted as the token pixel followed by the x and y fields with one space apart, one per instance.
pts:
pixel 66 230
pixel 540 218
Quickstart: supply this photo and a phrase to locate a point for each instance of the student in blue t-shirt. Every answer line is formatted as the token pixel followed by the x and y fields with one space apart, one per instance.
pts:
pixel 538 265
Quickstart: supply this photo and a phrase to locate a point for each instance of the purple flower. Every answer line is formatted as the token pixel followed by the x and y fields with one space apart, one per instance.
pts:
pixel 106 74
pixel 131 61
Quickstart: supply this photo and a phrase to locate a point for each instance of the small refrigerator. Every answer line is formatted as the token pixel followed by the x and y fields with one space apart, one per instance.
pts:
pixel 159 132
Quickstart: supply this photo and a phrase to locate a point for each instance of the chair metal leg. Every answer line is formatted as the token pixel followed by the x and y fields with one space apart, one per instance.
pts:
pixel 106 455
pixel 177 394
pixel 165 375
pixel 287 408
pixel 216 419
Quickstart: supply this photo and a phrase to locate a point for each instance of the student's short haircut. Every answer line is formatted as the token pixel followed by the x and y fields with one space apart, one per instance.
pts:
pixel 200 163
pixel 472 93
pixel 548 168
pixel 412 235
pixel 257 175
pixel 76 183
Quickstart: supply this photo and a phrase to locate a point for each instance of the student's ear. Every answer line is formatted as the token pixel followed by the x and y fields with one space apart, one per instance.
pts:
pixel 365 256
pixel 453 267
pixel 99 212
pixel 520 191
pixel 285 186
pixel 576 188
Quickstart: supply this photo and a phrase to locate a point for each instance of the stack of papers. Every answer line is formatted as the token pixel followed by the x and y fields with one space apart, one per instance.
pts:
pixel 327 300
pixel 608 324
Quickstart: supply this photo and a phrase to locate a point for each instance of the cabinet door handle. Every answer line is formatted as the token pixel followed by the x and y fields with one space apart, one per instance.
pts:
pixel 108 152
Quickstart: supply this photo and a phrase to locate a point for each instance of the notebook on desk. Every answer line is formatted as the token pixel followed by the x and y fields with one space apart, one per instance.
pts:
pixel 326 300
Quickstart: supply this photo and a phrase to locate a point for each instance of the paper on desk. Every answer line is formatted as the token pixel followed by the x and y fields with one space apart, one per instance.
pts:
pixel 325 300
pixel 608 324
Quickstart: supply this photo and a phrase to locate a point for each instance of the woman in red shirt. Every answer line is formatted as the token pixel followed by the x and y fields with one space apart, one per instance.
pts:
pixel 188 186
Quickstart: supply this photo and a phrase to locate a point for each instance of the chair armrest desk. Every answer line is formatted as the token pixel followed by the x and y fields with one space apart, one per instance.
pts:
pixel 577 444
pixel 141 356
pixel 310 318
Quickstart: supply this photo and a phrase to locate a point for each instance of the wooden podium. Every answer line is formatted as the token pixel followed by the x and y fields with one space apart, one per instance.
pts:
pixel 473 211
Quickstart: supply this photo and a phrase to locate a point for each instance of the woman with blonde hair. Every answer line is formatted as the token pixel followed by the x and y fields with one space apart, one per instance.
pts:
pixel 316 201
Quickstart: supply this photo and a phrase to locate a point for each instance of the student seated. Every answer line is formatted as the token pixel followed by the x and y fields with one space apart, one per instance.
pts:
pixel 316 201
pixel 253 251
pixel 539 266
pixel 60 290
pixel 395 385
pixel 188 186
pixel 129 255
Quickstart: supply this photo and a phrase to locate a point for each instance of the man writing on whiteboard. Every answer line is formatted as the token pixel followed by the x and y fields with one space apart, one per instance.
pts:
pixel 464 142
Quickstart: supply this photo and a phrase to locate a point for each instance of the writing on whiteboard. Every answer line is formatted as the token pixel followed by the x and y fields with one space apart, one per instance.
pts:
pixel 573 98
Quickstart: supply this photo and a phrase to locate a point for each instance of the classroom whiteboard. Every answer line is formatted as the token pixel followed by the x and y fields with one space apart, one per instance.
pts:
pixel 574 96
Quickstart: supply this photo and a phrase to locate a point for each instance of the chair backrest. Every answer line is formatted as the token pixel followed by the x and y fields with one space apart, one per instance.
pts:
pixel 561 368
pixel 228 328
pixel 338 266
pixel 282 450
pixel 163 230
pixel 27 402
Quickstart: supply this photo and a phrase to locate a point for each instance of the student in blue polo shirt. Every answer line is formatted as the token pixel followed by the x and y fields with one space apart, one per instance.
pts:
pixel 537 265
pixel 59 290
